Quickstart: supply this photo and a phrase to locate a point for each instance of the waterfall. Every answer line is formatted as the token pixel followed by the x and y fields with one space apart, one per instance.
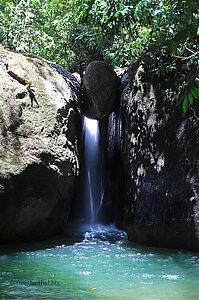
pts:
pixel 93 189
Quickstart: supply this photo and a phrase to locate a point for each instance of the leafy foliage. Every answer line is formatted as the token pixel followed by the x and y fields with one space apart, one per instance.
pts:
pixel 71 32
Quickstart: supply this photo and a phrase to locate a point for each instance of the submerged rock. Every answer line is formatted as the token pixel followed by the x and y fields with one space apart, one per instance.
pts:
pixel 38 153
pixel 161 160
pixel 101 90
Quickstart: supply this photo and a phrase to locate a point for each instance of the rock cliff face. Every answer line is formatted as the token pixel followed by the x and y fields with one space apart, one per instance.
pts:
pixel 160 148
pixel 151 152
pixel 38 153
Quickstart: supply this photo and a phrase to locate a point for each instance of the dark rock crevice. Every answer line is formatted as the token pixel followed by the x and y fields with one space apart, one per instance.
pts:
pixel 112 210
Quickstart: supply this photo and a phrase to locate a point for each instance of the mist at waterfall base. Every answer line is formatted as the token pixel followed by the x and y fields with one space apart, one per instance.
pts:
pixel 94 261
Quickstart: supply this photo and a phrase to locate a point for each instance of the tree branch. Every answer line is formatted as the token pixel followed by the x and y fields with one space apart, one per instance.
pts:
pixel 184 58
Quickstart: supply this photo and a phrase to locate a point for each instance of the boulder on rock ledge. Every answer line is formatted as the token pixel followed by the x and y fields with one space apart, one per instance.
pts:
pixel 101 89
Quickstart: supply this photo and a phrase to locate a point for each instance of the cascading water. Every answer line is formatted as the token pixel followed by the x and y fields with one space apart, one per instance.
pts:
pixel 93 169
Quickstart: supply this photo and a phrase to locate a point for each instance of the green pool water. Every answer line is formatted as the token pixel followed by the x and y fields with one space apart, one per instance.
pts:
pixel 96 262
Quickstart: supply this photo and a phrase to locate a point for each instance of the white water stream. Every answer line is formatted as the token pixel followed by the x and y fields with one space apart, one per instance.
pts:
pixel 93 169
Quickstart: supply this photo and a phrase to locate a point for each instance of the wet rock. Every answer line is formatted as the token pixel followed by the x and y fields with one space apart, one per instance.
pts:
pixel 112 205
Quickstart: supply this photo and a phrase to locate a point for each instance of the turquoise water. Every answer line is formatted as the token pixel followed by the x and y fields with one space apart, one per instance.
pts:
pixel 96 262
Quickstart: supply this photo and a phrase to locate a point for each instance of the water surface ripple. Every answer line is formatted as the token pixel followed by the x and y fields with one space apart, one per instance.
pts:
pixel 96 262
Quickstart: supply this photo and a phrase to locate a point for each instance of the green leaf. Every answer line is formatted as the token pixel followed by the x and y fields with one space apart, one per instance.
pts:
pixel 194 94
pixel 190 98
pixel 196 91
pixel 116 14
pixel 198 31
pixel 181 99
pixel 173 47
pixel 185 104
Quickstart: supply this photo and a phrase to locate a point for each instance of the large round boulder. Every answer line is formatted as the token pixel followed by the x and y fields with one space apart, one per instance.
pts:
pixel 101 86
pixel 38 155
